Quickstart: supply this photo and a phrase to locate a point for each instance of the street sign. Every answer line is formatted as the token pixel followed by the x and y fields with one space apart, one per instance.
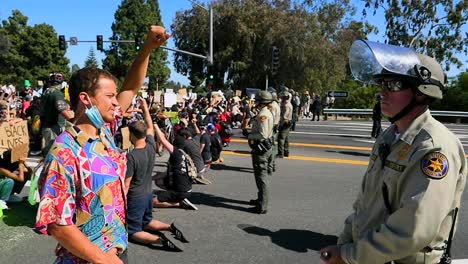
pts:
pixel 73 41
pixel 337 94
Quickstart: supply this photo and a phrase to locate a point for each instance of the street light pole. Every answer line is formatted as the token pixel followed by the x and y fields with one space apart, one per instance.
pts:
pixel 210 58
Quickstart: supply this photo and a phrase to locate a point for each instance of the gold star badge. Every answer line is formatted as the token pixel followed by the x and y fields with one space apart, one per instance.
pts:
pixel 435 165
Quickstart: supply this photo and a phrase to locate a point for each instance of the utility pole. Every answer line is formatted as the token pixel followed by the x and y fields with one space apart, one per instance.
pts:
pixel 210 58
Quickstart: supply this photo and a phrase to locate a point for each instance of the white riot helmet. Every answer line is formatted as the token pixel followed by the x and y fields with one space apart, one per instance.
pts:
pixel 373 61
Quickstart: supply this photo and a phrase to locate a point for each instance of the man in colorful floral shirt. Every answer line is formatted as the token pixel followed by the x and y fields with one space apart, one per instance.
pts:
pixel 82 184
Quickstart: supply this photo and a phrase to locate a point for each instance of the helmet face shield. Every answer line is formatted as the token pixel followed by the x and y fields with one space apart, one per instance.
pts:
pixel 368 58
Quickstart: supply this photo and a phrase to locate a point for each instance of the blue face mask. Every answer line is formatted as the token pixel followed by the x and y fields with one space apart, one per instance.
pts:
pixel 94 116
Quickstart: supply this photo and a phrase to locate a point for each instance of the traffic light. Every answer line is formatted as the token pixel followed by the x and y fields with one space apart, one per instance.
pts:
pixel 137 44
pixel 62 42
pixel 99 43
pixel 275 59
pixel 210 76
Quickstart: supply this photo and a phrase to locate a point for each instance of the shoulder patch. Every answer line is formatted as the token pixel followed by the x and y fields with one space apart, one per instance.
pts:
pixel 263 118
pixel 435 165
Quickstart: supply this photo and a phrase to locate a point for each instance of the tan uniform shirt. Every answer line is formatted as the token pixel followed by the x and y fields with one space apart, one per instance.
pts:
pixel 286 111
pixel 276 112
pixel 262 125
pixel 425 174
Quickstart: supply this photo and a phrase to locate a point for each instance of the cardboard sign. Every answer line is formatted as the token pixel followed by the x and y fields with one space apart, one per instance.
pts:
pixel 170 99
pixel 183 92
pixel 20 152
pixel 157 96
pixel 180 98
pixel 16 138
pixel 238 93
pixel 125 138
pixel 216 98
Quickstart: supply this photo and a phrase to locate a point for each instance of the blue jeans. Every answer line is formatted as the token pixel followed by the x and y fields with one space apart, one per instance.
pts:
pixel 6 186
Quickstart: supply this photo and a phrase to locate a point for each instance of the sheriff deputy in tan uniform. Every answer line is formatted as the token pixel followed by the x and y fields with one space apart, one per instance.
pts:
pixel 284 125
pixel 261 142
pixel 276 112
pixel 409 198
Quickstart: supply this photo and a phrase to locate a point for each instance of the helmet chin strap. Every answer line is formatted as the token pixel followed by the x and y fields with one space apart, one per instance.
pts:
pixel 411 105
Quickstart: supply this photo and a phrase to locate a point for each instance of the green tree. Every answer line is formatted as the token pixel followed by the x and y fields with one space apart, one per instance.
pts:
pixel 33 52
pixel 74 68
pixel 456 96
pixel 433 27
pixel 359 96
pixel 313 39
pixel 91 60
pixel 143 14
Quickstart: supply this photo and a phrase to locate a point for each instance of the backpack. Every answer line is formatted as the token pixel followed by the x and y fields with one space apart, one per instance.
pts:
pixel 165 181
pixel 226 130
pixel 216 147
pixel 36 125
pixel 191 168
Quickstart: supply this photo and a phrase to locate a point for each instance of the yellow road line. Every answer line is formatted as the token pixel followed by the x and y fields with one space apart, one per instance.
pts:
pixel 304 158
pixel 238 140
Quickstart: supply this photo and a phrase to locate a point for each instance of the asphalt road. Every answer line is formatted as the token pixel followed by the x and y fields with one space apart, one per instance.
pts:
pixel 311 194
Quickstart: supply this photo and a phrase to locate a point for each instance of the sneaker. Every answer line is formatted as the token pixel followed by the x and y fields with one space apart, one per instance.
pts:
pixel 186 204
pixel 170 244
pixel 15 199
pixel 178 234
pixel 202 180
pixel 279 156
pixel 35 153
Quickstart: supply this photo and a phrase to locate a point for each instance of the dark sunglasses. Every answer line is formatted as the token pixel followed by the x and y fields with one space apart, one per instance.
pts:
pixel 394 85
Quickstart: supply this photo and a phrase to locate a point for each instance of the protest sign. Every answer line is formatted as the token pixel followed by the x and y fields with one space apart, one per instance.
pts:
pixel 238 93
pixel 180 98
pixel 216 98
pixel 170 99
pixel 157 96
pixel 183 92
pixel 14 137
pixel 125 138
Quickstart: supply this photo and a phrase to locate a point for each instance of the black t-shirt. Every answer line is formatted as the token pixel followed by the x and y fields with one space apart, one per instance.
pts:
pixel 52 104
pixel 192 148
pixel 178 171
pixel 140 167
pixel 206 139
pixel 5 162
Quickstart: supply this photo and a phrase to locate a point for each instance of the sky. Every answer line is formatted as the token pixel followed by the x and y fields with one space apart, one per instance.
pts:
pixel 85 19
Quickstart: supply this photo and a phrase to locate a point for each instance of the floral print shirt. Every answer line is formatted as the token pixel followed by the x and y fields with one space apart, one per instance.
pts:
pixel 82 184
